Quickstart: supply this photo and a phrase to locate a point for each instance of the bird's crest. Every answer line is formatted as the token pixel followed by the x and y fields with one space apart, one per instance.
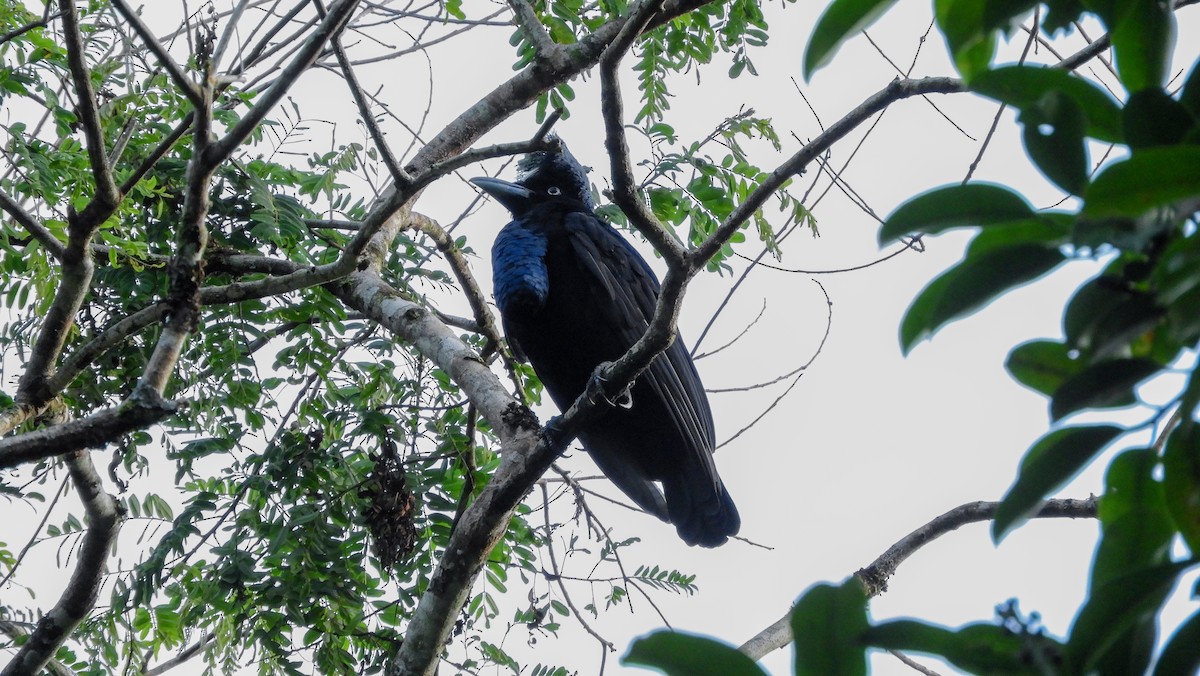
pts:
pixel 560 168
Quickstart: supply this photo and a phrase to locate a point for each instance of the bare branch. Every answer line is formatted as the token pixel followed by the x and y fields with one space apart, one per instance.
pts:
pixel 31 224
pixel 184 655
pixel 97 429
pixel 400 176
pixel 79 596
pixel 329 27
pixel 874 577
pixel 896 90
pixel 106 197
pixel 181 79
pixel 624 185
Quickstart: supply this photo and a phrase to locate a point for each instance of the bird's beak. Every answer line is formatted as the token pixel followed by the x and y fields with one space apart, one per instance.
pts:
pixel 514 197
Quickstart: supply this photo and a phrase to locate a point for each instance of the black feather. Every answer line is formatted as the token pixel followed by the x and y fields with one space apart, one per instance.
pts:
pixel 573 293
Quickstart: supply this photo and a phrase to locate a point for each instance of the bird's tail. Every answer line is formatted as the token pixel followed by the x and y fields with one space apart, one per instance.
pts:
pixel 701 509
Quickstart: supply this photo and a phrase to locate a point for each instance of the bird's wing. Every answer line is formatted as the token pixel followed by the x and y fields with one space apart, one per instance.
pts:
pixel 633 289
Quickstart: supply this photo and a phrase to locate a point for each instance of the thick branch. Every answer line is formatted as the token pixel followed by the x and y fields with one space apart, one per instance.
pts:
pixel 874 577
pixel 79 597
pixel 106 197
pixel 96 430
pixel 186 270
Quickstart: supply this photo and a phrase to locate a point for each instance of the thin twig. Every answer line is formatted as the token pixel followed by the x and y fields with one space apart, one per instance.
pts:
pixel 874 577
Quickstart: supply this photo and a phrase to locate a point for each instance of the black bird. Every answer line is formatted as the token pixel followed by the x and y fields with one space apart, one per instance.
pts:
pixel 572 294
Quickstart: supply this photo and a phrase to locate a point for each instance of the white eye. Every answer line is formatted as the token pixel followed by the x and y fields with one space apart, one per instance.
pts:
pixel 552 190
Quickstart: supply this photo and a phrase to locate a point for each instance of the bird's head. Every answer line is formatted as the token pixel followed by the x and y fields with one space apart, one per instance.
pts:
pixel 541 175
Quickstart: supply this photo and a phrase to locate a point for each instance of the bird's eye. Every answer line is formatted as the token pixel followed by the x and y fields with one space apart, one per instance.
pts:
pixel 553 190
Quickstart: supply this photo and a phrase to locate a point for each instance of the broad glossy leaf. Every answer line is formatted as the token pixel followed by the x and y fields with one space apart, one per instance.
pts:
pixel 679 654
pixel 1053 129
pixel 1046 229
pixel 1115 608
pixel 841 20
pixel 1137 531
pixel 828 623
pixel 1150 178
pixel 1053 461
pixel 1136 526
pixel 1151 118
pixel 974 282
pixel 974 648
pixel 1104 384
pixel 1104 319
pixel 1143 37
pixel 1024 86
pixel 1181 481
pixel 1042 365
pixel 971 43
pixel 1181 655
pixel 955 206
pixel 1060 14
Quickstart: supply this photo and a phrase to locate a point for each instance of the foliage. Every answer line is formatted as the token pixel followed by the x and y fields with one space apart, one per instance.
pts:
pixel 320 465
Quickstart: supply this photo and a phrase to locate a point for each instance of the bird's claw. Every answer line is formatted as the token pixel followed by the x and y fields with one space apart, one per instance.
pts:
pixel 596 393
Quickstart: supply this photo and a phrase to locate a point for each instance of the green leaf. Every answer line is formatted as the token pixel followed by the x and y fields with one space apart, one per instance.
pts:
pixel 955 206
pixel 1104 316
pixel 975 648
pixel 841 20
pixel 1181 481
pixel 1060 14
pixel 1143 37
pixel 679 654
pixel 1136 538
pixel 1053 135
pixel 1137 527
pixel 1024 86
pixel 1180 656
pixel 1042 365
pixel 1151 178
pixel 1104 384
pixel 1151 118
pixel 971 284
pixel 969 38
pixel 827 623
pixel 1116 607
pixel 1052 462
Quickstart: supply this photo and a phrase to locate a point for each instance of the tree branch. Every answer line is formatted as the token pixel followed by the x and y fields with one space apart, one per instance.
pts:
pixel 31 224
pixel 333 23
pixel 874 577
pixel 106 197
pixel 896 90
pixel 79 596
pixel 180 78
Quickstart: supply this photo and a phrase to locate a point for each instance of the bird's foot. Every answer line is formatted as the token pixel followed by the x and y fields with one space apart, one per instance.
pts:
pixel 552 432
pixel 596 393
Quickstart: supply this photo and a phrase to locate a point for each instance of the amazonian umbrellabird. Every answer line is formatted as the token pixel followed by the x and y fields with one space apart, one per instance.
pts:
pixel 573 294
